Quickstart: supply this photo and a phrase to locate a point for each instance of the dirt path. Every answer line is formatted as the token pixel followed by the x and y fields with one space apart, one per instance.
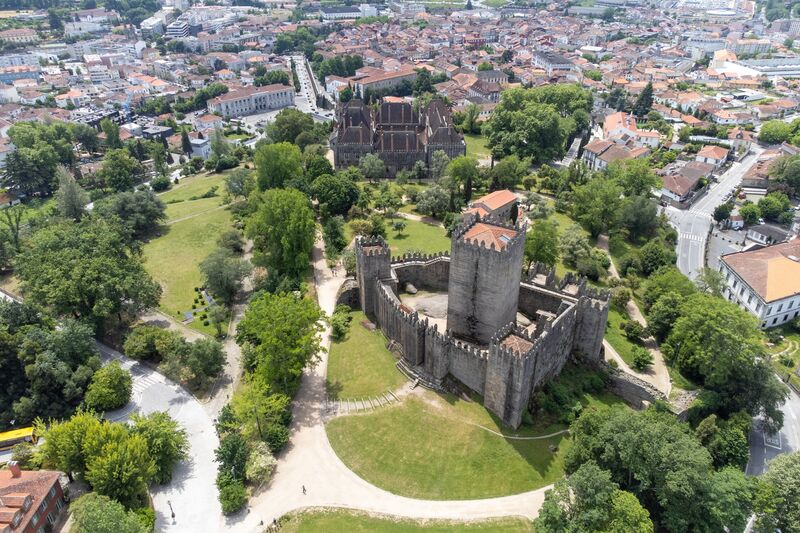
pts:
pixel 657 375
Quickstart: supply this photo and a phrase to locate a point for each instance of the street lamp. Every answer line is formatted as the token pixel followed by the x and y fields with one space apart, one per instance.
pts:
pixel 170 510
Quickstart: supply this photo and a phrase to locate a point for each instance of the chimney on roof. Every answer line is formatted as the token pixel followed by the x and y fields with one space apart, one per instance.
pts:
pixel 15 470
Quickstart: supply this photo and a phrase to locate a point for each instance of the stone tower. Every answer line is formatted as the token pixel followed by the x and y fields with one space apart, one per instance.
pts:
pixel 373 263
pixel 485 271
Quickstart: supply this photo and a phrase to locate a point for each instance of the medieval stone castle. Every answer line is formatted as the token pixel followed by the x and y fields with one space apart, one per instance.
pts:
pixel 506 335
pixel 396 133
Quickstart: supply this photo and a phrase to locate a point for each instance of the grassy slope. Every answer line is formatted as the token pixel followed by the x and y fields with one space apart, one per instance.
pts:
pixel 345 521
pixel 616 336
pixel 476 145
pixel 361 366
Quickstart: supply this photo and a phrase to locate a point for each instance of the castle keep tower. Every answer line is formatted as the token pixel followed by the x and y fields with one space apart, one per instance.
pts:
pixel 373 263
pixel 485 272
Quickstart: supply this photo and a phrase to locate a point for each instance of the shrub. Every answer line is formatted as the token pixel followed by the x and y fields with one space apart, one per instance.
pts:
pixel 340 322
pixel 642 359
pixel 633 330
pixel 620 297
pixel 260 464
pixel 205 322
pixel 160 183
pixel 232 494
pixel 110 388
pixel 231 240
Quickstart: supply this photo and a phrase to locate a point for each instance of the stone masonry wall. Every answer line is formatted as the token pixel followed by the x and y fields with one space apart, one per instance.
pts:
pixel 423 271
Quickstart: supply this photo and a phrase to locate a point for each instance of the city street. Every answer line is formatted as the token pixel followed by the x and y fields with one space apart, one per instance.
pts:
pixel 694 224
pixel 765 447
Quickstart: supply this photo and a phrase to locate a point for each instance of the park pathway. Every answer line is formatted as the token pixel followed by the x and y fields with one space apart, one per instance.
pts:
pixel 310 461
pixel 657 375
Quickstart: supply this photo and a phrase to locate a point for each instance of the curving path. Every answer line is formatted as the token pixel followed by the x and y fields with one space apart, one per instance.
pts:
pixel 309 460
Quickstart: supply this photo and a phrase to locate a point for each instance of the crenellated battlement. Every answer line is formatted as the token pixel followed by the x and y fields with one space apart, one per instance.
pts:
pixel 372 246
pixel 417 257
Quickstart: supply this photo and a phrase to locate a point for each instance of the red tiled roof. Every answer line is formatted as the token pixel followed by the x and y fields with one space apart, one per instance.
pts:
pixel 35 483
pixel 489 235
pixel 497 199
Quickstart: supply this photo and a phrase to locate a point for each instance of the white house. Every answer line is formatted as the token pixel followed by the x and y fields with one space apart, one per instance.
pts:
pixel 713 155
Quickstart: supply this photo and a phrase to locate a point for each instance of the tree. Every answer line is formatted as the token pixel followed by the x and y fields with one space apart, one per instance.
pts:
pixel 639 216
pixel 288 124
pixel 675 480
pixel 118 465
pixel 86 136
pixel 95 513
pixel 775 132
pixel 31 169
pixel 111 132
pixel 635 176
pixel 723 211
pixel 232 455
pixel 282 229
pixel 186 143
pixel 346 95
pixel 508 172
pixel 750 213
pixel 718 345
pixel 664 281
pixel 642 358
pixel 140 212
pixel 167 442
pixel 278 165
pixel 574 245
pixel 644 102
pixel 655 255
pixel 283 332
pixel 238 182
pixel 596 204
pixel 710 281
pixel 588 500
pixel 773 205
pixel 333 233
pixel 317 166
pixel 336 194
pixel 232 496
pixel 71 198
pixel 433 201
pixel 217 315
pixel 204 360
pixel 777 496
pixel 541 243
pixel 469 119
pixel 87 271
pixel 261 413
pixel 663 314
pixel 223 274
pixel 110 388
pixel 260 464
pixel 372 167
pixel 463 171
pixel 120 171
pixel 439 162
pixel 219 144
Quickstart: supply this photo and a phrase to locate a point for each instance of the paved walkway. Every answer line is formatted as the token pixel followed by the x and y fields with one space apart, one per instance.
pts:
pixel 309 460
pixel 657 375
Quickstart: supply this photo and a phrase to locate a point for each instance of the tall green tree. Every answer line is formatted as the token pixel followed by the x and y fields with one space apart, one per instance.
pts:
pixel 186 143
pixel 223 274
pixel 278 165
pixel 71 198
pixel 463 171
pixel 139 212
pixel 596 204
pixel 335 194
pixel 372 167
pixel 120 171
pixel 111 131
pixel 282 229
pixel 635 176
pixel 644 102
pixel 289 124
pixel 283 333
pixel 167 442
pixel 86 270
pixel 778 495
pixel 542 244
pixel 110 388
pixel 95 513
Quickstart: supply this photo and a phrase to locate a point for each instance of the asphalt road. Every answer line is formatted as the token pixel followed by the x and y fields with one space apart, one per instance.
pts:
pixel 764 447
pixel 694 224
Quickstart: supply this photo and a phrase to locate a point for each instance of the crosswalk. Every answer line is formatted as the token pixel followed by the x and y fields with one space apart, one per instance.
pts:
pixel 693 237
pixel 142 382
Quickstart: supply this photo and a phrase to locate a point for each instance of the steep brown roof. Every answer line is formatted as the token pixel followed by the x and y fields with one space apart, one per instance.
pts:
pixel 487 234
pixel 34 483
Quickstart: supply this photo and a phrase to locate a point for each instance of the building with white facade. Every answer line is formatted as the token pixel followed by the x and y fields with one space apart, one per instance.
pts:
pixel 765 281
pixel 177 29
pixel 251 100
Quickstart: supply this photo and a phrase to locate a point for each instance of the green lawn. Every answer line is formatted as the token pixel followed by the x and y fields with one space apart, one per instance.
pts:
pixel 495 3
pixel 346 521
pixel 173 258
pixel 194 186
pixel 426 447
pixel 417 236
pixel 616 337
pixel 789 359
pixel 476 145
pixel 191 207
pixel 361 366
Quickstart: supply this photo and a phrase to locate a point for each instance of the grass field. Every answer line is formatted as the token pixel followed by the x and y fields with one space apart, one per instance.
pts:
pixel 194 186
pixel 494 3
pixel 417 236
pixel 361 366
pixel 476 145
pixel 429 447
pixel 785 352
pixel 346 521
pixel 173 258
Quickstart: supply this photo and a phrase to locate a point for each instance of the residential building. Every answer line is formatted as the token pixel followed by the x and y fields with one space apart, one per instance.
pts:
pixel 339 12
pixel 680 180
pixel 713 155
pixel 620 127
pixel 30 501
pixel 19 72
pixel 499 205
pixel 383 81
pixel 177 29
pixel 251 100
pixel 765 281
pixel 600 153
pixel 552 63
